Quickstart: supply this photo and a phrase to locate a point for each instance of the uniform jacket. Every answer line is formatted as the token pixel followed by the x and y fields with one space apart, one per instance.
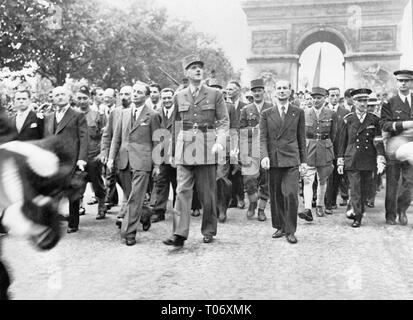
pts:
pixel 133 139
pixel 283 142
pixel 238 110
pixel 73 131
pixel 395 111
pixel 95 123
pixel 320 151
pixel 32 128
pixel 341 113
pixel 360 143
pixel 209 113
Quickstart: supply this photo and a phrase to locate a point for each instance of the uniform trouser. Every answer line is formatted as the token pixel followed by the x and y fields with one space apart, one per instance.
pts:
pixel 166 177
pixel 110 183
pixel 257 183
pixel 374 186
pixel 224 187
pixel 323 173
pixel 284 184
pixel 94 170
pixel 204 178
pixel 360 182
pixel 4 282
pixel 134 204
pixel 398 198
pixel 237 184
pixel 335 183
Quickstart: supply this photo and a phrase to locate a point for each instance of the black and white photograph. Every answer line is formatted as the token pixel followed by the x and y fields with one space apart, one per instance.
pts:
pixel 206 154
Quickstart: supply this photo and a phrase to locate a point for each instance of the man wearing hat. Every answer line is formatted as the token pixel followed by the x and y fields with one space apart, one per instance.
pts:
pixel 360 152
pixel 200 129
pixel 321 126
pixel 396 118
pixel 349 104
pixel 95 124
pixel 255 177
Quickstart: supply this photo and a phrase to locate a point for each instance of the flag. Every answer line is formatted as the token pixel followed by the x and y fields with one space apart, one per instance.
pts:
pixel 317 73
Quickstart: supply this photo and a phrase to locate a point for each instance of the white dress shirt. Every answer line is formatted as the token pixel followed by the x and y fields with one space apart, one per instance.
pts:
pixel 361 116
pixel 168 112
pixel 285 108
pixel 21 118
pixel 60 114
pixel 334 108
pixel 408 97
pixel 137 111
pixel 259 106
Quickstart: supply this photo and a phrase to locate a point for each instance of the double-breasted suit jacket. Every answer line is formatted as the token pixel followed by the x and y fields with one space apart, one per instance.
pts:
pixel 360 143
pixel 199 123
pixel 133 139
pixel 393 113
pixel 320 132
pixel 283 142
pixel 32 128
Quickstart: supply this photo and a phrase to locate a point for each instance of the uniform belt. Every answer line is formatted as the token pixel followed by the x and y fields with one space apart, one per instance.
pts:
pixel 195 127
pixel 318 136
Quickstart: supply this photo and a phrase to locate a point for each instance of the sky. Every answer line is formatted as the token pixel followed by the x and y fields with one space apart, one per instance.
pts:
pixel 226 21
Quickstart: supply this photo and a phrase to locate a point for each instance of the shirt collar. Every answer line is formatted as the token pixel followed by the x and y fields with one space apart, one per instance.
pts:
pixel 334 108
pixel 403 97
pixel 192 88
pixel 236 103
pixel 170 110
pixel 64 109
pixel 24 113
pixel 285 106
pixel 260 105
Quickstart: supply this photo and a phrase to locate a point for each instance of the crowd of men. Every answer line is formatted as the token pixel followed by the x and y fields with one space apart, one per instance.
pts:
pixel 213 146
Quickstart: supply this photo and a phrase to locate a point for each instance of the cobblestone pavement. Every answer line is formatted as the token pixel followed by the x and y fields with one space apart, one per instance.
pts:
pixel 330 261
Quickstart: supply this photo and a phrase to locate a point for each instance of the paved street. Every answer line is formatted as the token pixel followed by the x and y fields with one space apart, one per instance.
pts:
pixel 330 261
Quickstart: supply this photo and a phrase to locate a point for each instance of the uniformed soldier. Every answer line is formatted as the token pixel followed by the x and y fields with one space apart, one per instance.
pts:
pixel 254 176
pixel 360 152
pixel 396 117
pixel 321 126
pixel 200 130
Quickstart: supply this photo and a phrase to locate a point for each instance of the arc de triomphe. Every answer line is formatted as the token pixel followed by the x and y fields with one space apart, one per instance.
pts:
pixel 367 32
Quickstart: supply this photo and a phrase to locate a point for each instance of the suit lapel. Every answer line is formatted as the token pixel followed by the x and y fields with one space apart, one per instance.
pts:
pixel 142 117
pixel 201 95
pixel 275 116
pixel 27 121
pixel 289 117
pixel 65 120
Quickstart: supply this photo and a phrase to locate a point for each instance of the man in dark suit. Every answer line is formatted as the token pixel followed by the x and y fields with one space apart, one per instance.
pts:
pixel 396 117
pixel 235 175
pixel 71 126
pixel 360 152
pixel 27 124
pixel 336 182
pixel 255 178
pixel 167 172
pixel 283 153
pixel 133 141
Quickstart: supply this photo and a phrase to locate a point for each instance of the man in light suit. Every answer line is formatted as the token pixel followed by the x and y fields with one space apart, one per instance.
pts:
pixel 71 126
pixel 283 153
pixel 133 141
pixel 27 124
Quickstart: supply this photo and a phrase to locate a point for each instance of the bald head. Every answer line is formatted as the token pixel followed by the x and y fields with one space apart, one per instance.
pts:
pixel 125 95
pixel 61 96
pixel 109 96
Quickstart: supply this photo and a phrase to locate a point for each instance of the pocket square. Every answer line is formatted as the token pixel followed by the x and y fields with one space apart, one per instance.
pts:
pixel 371 127
pixel 144 124
pixel 33 125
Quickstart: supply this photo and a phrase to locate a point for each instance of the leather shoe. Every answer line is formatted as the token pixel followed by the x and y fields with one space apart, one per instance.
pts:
pixel 291 238
pixel 356 224
pixel 195 213
pixel 251 210
pixel 157 217
pixel 208 239
pixel 176 240
pixel 222 217
pixel 391 222
pixel 319 211
pixel 278 234
pixel 130 242
pixel 343 203
pixel 328 211
pixel 306 215
pixel 403 218
pixel 146 225
pixel 261 215
pixel 71 230
pixel 241 204
pixel 100 216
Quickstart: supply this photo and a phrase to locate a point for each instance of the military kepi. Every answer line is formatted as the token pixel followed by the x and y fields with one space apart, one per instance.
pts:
pixel 257 83
pixel 404 74
pixel 319 91
pixel 191 59
pixel 84 90
pixel 362 93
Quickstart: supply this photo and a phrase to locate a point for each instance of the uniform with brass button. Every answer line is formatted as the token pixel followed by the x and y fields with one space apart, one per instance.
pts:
pixel 361 152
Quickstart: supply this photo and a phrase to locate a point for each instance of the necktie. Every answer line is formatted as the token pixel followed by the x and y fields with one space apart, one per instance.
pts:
pixel 282 113
pixel 195 93
pixel 135 114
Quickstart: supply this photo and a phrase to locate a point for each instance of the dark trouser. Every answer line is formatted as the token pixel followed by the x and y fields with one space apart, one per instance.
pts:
pixel 374 186
pixel 125 179
pixel 159 198
pixel 195 204
pixel 360 182
pixel 111 191
pixel 133 207
pixel 284 183
pixel 224 187
pixel 398 198
pixel 237 183
pixel 4 282
pixel 336 182
pixel 204 178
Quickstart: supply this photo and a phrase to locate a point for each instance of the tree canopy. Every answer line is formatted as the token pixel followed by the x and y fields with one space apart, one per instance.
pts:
pixel 106 45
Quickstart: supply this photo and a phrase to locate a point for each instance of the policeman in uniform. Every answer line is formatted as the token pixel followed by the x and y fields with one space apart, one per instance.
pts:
pixel 321 126
pixel 200 129
pixel 255 177
pixel 360 152
pixel 396 117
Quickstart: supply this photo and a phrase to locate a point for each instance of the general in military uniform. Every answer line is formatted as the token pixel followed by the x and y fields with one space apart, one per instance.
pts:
pixel 255 177
pixel 200 129
pixel 360 152
pixel 321 126
pixel 396 117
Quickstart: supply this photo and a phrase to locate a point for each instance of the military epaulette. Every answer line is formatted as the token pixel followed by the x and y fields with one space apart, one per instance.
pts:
pixel 346 116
